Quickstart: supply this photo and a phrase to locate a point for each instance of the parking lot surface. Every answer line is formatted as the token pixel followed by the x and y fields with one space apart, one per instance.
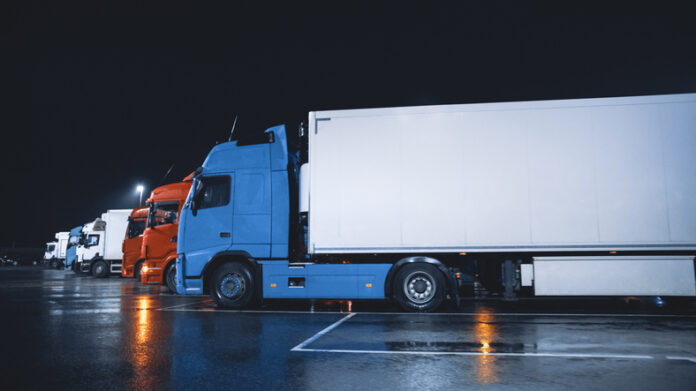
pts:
pixel 64 331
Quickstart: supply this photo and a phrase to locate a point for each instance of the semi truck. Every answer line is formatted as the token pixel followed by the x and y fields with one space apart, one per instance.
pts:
pixel 160 237
pixel 73 241
pixel 55 251
pixel 131 246
pixel 100 251
pixel 579 197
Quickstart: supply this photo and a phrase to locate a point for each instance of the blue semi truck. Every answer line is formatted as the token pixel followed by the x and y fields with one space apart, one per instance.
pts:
pixel 73 242
pixel 552 198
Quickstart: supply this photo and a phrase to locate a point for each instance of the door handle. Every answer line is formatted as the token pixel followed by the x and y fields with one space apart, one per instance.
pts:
pixel 224 234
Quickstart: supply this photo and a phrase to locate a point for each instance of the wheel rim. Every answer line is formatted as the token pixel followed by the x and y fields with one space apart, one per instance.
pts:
pixel 419 287
pixel 100 269
pixel 232 286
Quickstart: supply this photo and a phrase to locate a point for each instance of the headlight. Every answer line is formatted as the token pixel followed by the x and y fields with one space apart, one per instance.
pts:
pixel 144 269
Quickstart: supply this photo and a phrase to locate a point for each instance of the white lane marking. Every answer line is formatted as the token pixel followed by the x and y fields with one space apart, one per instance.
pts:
pixel 181 305
pixel 322 332
pixel 213 309
pixel 565 355
pixel 692 359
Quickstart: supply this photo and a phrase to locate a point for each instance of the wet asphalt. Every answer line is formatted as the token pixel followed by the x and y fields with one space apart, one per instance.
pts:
pixel 63 331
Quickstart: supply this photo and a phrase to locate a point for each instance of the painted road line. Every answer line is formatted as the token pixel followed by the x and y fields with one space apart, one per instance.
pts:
pixel 322 332
pixel 180 305
pixel 213 309
pixel 411 352
pixel 692 359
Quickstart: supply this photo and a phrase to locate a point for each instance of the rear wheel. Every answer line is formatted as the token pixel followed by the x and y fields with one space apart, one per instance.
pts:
pixel 170 278
pixel 100 269
pixel 419 287
pixel 52 264
pixel 232 285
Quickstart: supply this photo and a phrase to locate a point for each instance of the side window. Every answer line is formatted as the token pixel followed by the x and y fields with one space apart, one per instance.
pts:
pixel 215 191
pixel 136 228
pixel 50 247
pixel 92 240
pixel 163 213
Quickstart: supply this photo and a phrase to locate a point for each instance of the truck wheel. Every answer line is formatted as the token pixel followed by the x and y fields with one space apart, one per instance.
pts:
pixel 419 287
pixel 170 278
pixel 100 269
pixel 52 264
pixel 137 270
pixel 232 285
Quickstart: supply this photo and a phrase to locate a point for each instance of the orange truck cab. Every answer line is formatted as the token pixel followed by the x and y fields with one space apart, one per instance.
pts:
pixel 133 241
pixel 159 239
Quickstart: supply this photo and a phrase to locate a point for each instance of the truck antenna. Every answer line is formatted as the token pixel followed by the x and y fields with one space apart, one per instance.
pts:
pixel 234 125
pixel 165 175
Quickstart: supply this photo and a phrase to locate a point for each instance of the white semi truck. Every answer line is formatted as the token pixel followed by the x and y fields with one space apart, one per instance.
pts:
pixel 581 197
pixel 55 251
pixel 100 251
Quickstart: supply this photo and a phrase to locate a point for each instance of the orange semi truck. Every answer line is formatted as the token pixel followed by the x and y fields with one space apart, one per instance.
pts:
pixel 132 244
pixel 160 237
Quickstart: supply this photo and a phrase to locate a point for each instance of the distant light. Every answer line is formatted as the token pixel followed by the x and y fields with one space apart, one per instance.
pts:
pixel 368 285
pixel 139 188
pixel 612 252
pixel 462 253
pixel 273 285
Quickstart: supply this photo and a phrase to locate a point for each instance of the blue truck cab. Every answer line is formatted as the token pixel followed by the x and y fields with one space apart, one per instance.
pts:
pixel 73 241
pixel 234 233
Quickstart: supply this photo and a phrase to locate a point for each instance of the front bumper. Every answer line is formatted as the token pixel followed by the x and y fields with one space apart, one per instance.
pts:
pixel 187 286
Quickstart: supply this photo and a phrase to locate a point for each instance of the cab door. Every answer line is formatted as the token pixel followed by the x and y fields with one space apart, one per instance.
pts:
pixel 206 222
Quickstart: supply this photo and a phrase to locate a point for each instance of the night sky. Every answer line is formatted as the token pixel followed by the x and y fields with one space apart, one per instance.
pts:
pixel 97 98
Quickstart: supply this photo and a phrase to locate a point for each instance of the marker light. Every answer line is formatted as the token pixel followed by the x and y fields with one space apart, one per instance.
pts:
pixel 144 269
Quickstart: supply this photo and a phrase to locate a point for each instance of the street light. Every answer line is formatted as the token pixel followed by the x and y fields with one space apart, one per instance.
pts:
pixel 140 189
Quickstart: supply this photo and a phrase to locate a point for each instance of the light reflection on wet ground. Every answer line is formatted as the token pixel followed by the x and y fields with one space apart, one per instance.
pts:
pixel 115 333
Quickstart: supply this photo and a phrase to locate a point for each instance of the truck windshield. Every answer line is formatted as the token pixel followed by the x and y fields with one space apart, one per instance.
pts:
pixel 163 213
pixel 136 228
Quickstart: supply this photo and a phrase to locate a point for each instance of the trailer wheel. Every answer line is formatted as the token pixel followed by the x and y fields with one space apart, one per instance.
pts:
pixel 419 287
pixel 170 278
pixel 100 269
pixel 232 285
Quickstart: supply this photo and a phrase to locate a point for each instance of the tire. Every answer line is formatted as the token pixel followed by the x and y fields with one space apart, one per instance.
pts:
pixel 137 270
pixel 419 287
pixel 232 285
pixel 170 278
pixel 100 269
pixel 52 264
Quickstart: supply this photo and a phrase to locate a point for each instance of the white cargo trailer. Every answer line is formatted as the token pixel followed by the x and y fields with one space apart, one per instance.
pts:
pixel 571 197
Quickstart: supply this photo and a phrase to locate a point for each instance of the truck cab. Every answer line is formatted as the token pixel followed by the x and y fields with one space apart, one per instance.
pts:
pixel 132 243
pixel 73 242
pixel 91 245
pixel 51 252
pixel 231 215
pixel 160 237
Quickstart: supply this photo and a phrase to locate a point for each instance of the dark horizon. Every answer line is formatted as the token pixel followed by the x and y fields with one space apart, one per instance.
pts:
pixel 99 98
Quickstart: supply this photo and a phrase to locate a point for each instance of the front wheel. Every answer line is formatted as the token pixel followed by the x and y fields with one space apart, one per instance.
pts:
pixel 170 278
pixel 100 269
pixel 419 287
pixel 137 270
pixel 232 285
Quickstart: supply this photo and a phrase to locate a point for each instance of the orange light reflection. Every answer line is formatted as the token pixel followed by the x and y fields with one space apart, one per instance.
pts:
pixel 485 332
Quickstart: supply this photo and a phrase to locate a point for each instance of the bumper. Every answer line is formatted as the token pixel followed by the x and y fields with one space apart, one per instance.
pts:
pixel 151 274
pixel 186 286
